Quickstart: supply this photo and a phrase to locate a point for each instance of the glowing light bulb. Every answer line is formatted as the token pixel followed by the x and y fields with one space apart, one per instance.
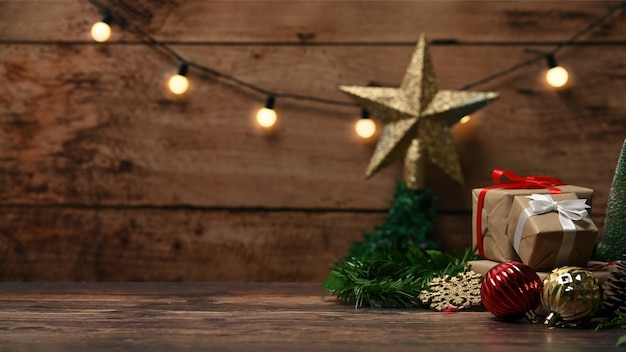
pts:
pixel 365 127
pixel 266 117
pixel 556 76
pixel 101 31
pixel 178 83
pixel 465 119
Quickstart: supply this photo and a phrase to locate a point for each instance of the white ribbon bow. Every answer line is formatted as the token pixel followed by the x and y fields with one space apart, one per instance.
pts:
pixel 573 209
pixel 568 210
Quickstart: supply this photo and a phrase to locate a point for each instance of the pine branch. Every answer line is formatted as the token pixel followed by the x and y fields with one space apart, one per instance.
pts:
pixel 619 320
pixel 390 278
pixel 410 221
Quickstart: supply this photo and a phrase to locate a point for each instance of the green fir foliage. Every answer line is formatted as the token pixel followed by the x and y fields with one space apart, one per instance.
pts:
pixel 613 243
pixel 619 320
pixel 390 277
pixel 410 221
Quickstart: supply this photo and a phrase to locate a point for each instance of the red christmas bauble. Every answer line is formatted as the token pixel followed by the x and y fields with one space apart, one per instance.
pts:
pixel 511 290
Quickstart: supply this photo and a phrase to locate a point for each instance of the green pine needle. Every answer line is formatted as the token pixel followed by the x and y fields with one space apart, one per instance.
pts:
pixel 396 261
pixel 410 221
pixel 619 320
pixel 390 278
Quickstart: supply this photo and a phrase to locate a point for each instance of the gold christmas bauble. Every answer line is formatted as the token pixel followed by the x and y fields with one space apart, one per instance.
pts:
pixel 570 296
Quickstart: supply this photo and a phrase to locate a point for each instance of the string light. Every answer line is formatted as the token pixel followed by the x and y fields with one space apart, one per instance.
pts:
pixel 556 76
pixel 598 21
pixel 179 83
pixel 365 127
pixel 150 40
pixel 266 117
pixel 101 31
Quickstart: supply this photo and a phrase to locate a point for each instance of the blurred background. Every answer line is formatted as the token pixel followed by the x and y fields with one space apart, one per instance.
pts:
pixel 106 175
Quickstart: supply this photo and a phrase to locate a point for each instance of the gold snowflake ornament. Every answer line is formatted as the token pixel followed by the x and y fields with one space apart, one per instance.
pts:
pixel 453 293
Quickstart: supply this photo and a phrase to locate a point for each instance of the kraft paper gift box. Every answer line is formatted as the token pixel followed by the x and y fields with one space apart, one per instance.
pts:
pixel 491 240
pixel 551 230
pixel 483 266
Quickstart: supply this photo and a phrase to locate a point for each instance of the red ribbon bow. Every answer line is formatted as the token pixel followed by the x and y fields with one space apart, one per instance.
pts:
pixel 514 181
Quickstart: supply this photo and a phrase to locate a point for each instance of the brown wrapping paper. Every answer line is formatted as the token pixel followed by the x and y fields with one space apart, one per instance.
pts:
pixel 483 266
pixel 543 236
pixel 495 218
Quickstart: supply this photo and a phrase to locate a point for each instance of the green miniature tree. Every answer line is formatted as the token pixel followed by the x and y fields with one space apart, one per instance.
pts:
pixel 410 221
pixel 613 243
pixel 395 261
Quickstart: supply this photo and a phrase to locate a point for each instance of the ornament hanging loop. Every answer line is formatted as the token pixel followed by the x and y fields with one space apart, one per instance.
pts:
pixel 530 315
pixel 551 320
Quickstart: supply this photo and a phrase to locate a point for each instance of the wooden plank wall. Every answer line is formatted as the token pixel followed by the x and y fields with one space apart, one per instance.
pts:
pixel 106 176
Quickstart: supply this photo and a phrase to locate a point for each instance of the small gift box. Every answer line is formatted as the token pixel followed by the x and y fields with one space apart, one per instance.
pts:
pixel 599 269
pixel 491 208
pixel 550 231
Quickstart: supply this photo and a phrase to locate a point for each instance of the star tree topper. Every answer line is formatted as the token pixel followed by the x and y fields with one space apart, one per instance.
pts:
pixel 417 118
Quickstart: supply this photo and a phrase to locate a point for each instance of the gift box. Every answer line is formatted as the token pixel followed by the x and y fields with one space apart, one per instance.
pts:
pixel 551 231
pixel 600 271
pixel 491 208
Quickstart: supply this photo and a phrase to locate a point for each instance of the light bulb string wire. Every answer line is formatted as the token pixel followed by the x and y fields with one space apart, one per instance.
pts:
pixel 571 40
pixel 203 68
pixel 167 48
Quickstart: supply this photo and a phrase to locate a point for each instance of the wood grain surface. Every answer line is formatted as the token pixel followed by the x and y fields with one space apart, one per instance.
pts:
pixel 253 316
pixel 310 22
pixel 106 176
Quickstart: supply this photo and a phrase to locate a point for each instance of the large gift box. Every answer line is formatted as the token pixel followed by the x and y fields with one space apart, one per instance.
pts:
pixel 551 231
pixel 491 208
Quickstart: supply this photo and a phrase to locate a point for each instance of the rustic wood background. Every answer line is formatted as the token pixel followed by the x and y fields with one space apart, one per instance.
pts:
pixel 106 176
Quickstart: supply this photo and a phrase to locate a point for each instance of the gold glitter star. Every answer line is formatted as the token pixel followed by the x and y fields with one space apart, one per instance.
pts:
pixel 417 118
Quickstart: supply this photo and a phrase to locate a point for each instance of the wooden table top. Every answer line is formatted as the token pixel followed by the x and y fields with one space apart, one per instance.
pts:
pixel 252 317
